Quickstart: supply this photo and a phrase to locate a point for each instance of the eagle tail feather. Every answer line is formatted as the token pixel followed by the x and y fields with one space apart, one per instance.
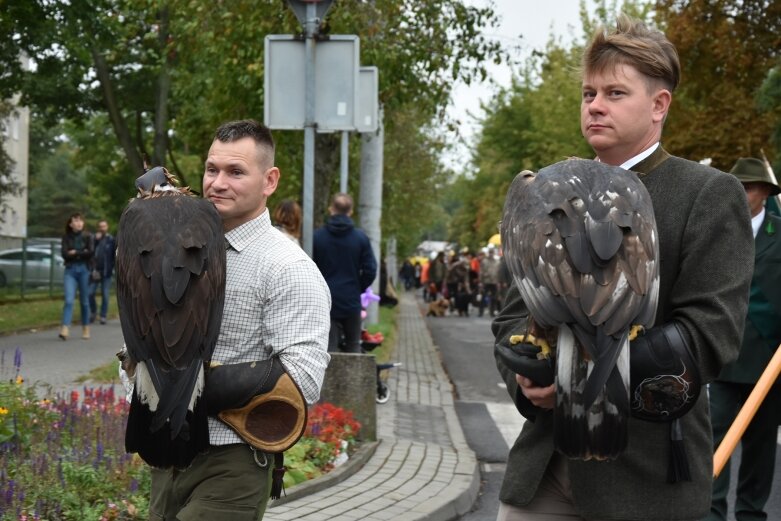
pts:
pixel 599 431
pixel 176 397
pixel 161 449
pixel 608 351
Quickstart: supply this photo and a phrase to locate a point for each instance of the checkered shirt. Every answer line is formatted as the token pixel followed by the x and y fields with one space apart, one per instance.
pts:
pixel 276 303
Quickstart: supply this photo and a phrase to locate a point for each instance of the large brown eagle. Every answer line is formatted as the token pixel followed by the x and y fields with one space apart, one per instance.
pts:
pixel 170 289
pixel 580 240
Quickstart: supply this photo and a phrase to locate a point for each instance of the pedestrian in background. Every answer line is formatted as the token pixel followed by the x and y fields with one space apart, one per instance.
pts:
pixel 78 247
pixel 457 282
pixel 345 257
pixel 761 337
pixel 628 76
pixel 102 271
pixel 287 219
pixel 407 274
pixel 489 278
pixel 436 275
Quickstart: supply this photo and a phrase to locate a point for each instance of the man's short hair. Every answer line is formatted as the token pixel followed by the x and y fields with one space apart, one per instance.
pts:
pixel 342 204
pixel 236 130
pixel 631 42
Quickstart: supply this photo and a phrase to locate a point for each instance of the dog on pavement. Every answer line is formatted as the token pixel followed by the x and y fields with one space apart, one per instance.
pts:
pixel 437 308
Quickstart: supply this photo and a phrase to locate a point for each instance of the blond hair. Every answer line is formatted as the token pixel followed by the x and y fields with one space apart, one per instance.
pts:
pixel 633 43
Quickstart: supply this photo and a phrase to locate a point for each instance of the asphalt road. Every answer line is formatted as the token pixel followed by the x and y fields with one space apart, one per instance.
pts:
pixel 487 415
pixel 489 419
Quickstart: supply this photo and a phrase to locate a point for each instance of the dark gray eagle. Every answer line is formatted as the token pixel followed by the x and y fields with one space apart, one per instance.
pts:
pixel 170 290
pixel 580 240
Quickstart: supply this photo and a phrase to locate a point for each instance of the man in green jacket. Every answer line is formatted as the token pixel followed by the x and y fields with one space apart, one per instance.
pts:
pixel 761 337
pixel 706 253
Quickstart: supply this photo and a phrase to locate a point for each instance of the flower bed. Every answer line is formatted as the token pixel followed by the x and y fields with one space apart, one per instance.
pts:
pixel 63 457
pixel 329 439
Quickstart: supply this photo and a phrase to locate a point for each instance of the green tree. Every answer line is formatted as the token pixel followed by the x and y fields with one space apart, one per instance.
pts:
pixel 530 125
pixel 769 100
pixel 161 74
pixel 56 189
pixel 90 57
pixel 727 48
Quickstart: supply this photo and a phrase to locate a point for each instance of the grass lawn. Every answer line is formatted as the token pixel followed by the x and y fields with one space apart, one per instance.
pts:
pixel 37 312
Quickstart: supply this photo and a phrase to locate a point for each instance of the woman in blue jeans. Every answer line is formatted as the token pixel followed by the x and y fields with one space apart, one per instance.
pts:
pixel 78 248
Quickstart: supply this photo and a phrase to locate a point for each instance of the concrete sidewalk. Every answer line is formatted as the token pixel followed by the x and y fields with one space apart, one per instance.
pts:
pixel 422 468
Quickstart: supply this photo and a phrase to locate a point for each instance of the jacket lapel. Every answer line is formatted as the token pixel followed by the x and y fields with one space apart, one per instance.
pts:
pixel 658 157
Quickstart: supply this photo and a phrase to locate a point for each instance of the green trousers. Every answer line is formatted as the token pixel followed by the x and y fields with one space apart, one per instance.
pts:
pixel 229 483
pixel 758 450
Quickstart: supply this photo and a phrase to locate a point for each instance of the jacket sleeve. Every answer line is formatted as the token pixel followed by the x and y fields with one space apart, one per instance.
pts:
pixel 368 265
pixel 709 297
pixel 512 319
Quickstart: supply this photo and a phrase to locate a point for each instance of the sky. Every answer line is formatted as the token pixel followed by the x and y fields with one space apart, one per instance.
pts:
pixel 524 25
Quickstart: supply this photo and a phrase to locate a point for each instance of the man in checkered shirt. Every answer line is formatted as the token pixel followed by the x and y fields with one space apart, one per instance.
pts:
pixel 276 304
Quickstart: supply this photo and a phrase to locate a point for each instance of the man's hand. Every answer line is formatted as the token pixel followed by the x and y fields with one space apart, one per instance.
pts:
pixel 542 397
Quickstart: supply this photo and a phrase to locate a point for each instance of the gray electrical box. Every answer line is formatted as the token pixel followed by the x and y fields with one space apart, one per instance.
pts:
pixel 336 83
pixel 368 103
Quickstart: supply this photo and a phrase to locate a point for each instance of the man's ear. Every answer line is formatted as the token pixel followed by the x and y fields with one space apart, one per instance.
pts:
pixel 272 180
pixel 661 104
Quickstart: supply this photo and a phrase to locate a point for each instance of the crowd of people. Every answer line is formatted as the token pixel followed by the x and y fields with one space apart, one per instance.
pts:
pixel 459 281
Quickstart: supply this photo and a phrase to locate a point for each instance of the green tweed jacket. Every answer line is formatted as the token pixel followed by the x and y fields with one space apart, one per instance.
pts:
pixel 762 333
pixel 706 259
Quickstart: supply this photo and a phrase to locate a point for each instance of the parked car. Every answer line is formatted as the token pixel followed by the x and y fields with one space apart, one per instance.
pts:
pixel 38 267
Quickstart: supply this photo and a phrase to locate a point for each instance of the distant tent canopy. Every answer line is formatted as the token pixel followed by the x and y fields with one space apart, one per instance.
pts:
pixel 495 240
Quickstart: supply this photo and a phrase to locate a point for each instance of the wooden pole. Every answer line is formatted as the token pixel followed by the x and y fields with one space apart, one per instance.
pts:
pixel 747 412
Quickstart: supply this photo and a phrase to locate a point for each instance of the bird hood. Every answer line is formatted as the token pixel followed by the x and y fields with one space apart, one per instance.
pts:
pixel 340 225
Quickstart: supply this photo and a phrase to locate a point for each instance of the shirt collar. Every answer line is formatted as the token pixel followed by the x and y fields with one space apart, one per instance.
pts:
pixel 239 237
pixel 626 165
pixel 756 222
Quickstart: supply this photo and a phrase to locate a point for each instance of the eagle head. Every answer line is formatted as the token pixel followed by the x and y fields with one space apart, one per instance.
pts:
pixel 156 181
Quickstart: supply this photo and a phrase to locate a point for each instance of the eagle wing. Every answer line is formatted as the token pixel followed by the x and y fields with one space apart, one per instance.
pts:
pixel 580 241
pixel 170 289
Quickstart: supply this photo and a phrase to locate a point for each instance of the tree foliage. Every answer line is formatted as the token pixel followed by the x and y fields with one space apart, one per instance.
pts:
pixel 727 48
pixel 728 104
pixel 769 100
pixel 56 188
pixel 155 77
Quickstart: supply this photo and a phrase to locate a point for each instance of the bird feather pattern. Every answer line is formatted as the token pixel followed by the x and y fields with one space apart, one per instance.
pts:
pixel 171 291
pixel 580 240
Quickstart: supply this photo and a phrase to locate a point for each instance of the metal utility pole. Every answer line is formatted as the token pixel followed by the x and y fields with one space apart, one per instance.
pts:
pixel 345 160
pixel 311 28
pixel 370 201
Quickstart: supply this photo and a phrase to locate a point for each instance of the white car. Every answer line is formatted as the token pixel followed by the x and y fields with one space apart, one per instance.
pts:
pixel 40 267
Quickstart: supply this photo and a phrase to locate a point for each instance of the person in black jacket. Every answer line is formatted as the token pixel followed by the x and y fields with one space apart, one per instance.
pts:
pixel 103 271
pixel 78 248
pixel 344 256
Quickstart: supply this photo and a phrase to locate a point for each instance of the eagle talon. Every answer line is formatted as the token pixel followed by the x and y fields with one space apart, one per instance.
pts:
pixel 635 331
